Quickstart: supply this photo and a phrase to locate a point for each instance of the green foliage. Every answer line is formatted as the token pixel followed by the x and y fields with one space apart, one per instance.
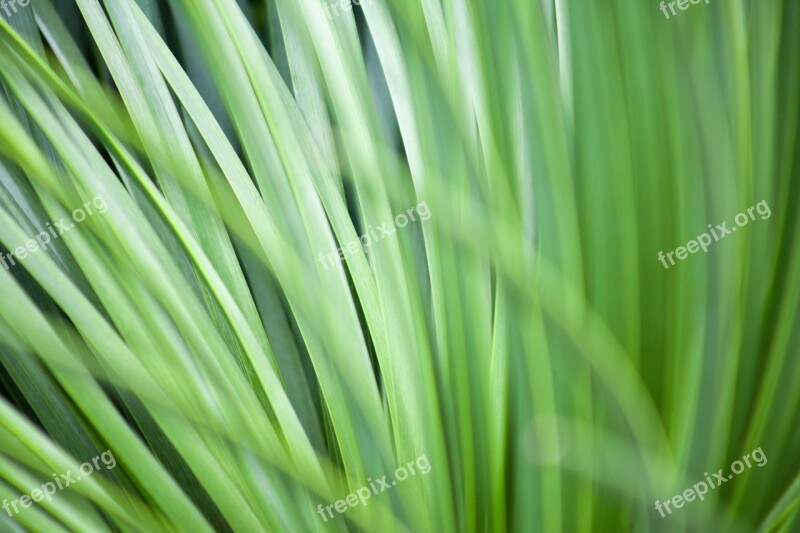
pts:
pixel 523 337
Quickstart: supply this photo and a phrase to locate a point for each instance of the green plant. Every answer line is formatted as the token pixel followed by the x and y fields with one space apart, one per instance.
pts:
pixel 524 338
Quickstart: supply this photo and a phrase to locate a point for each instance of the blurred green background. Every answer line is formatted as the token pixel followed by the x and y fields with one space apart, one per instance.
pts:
pixel 526 339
